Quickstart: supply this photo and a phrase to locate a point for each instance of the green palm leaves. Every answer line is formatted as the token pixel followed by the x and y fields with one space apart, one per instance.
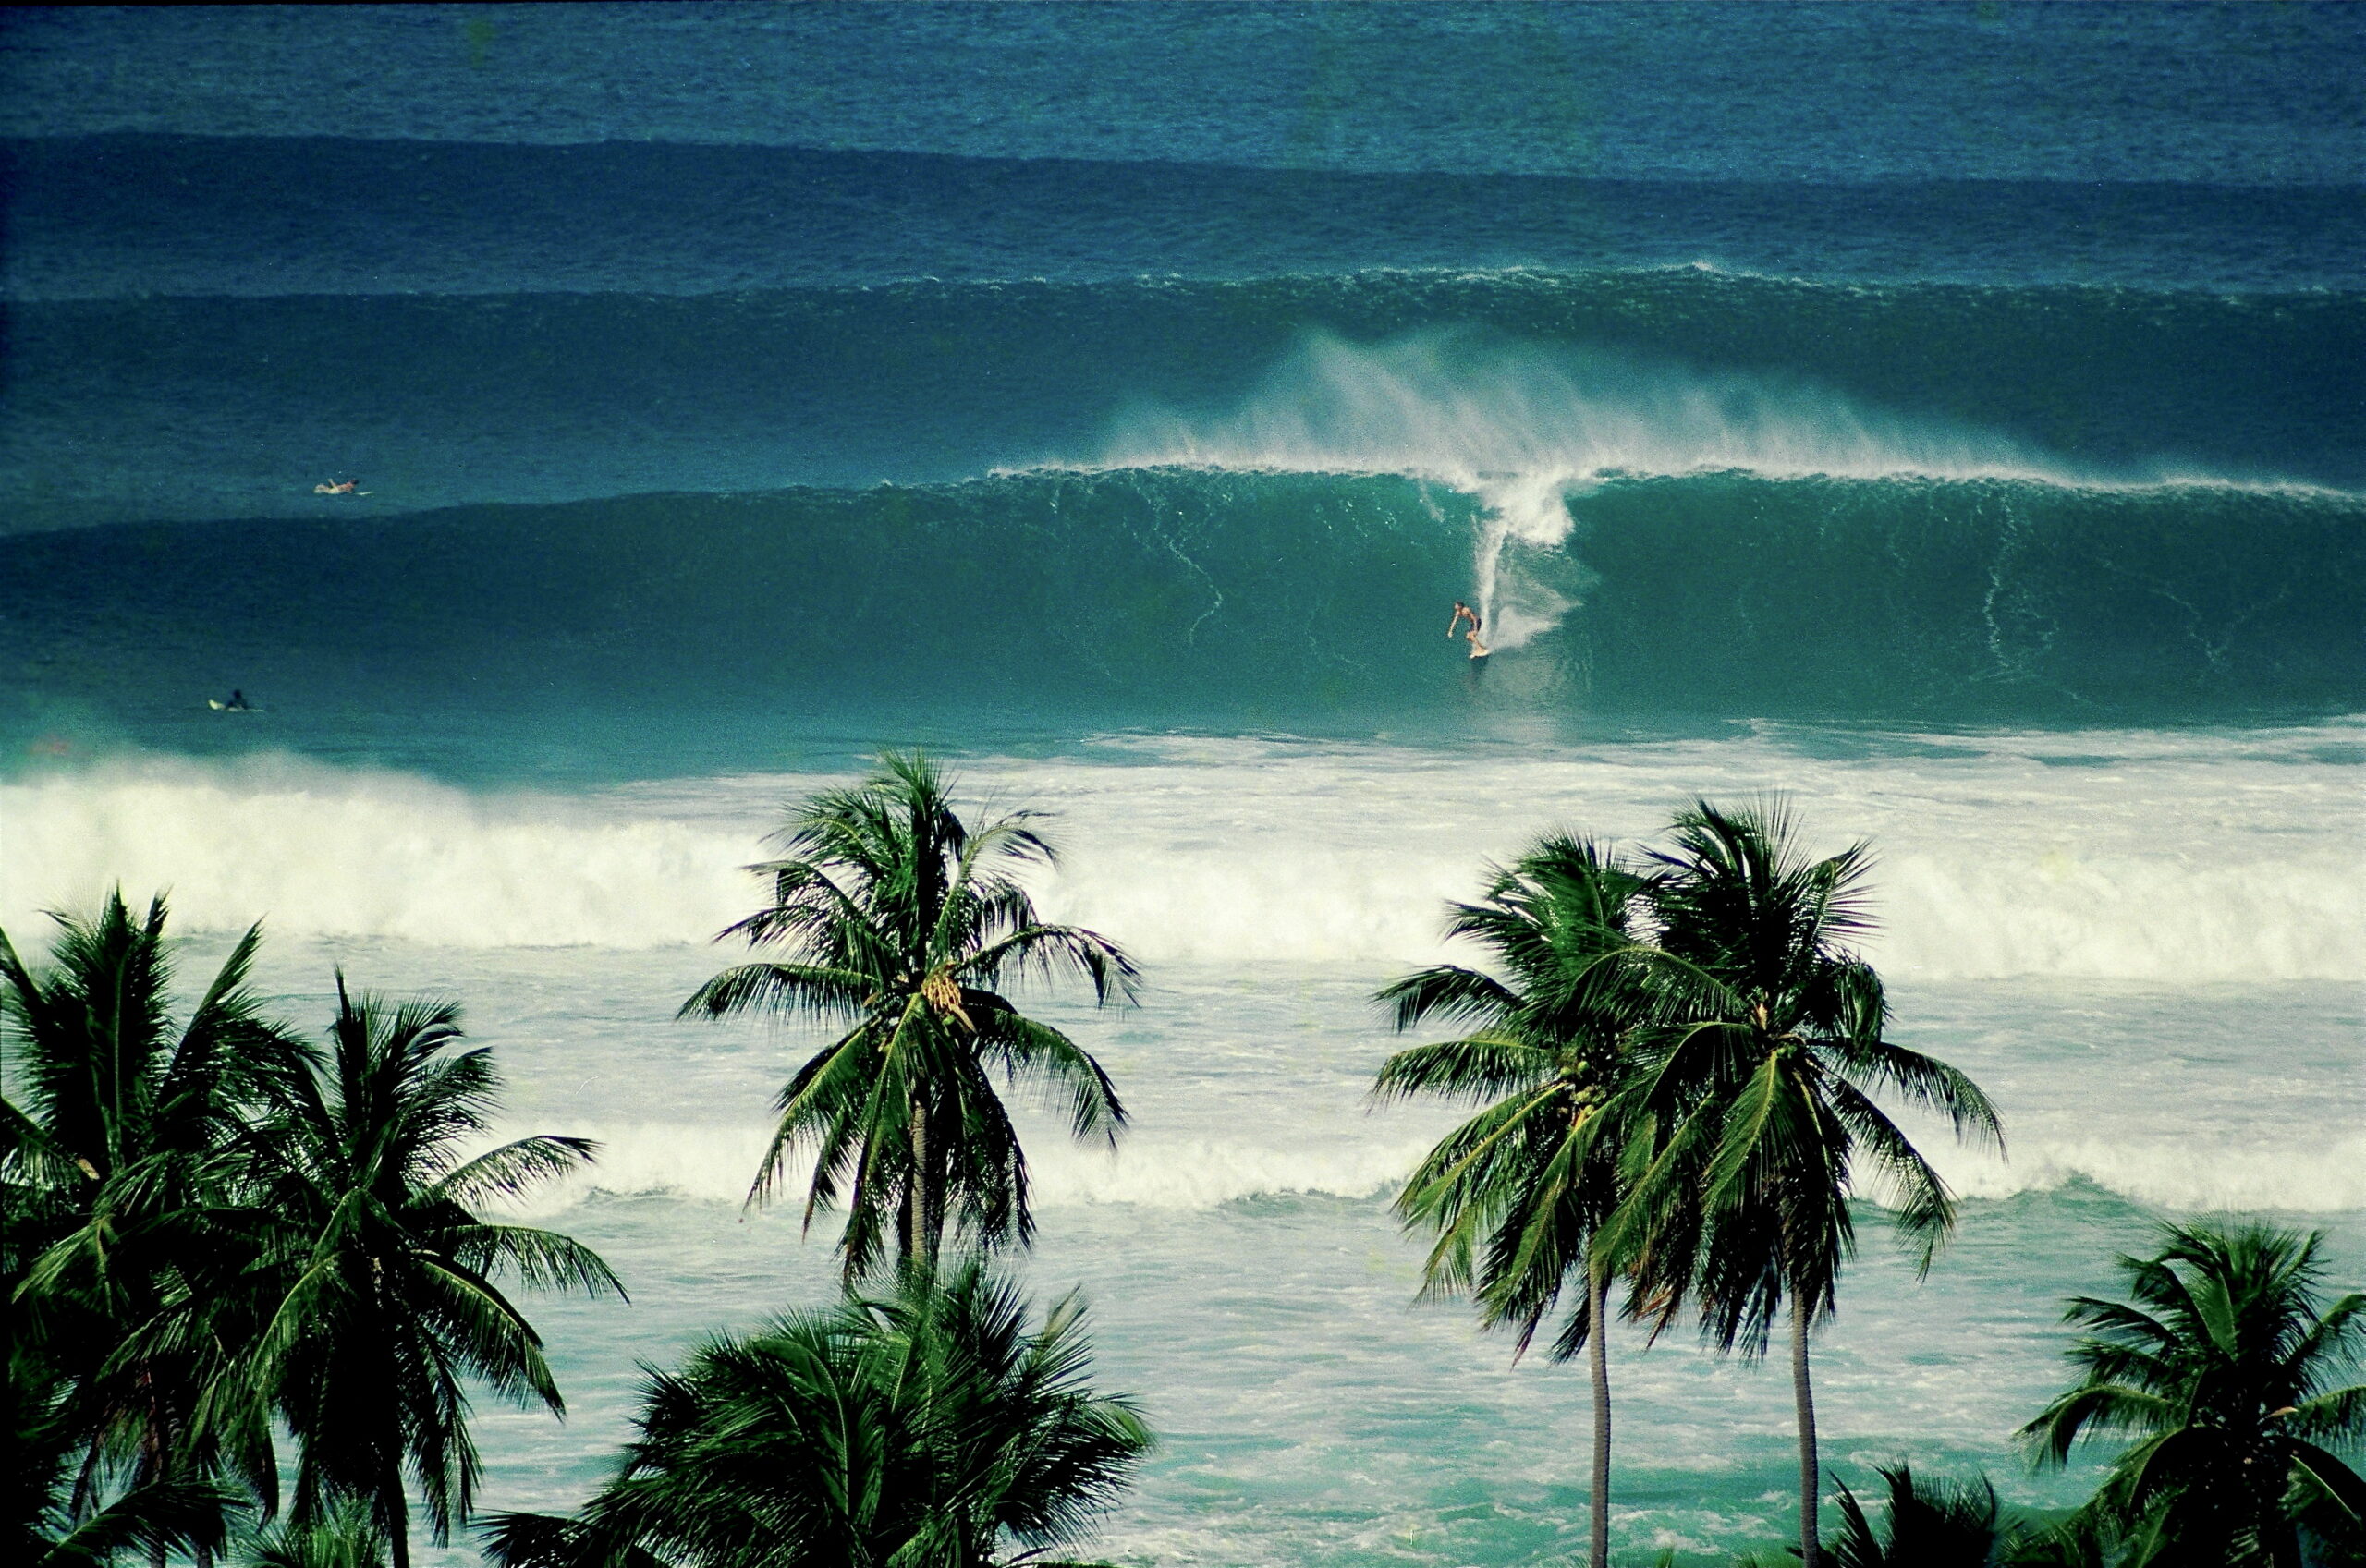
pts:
pixel 1518 1195
pixel 1928 1523
pixel 2228 1379
pixel 125 1228
pixel 215 1228
pixel 930 1428
pixel 1682 1058
pixel 390 1304
pixel 900 920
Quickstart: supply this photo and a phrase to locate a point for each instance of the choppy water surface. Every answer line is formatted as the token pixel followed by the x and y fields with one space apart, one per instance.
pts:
pixel 1954 417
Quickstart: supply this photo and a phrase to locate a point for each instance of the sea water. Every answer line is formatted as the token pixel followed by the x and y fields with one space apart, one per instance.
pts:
pixel 1947 418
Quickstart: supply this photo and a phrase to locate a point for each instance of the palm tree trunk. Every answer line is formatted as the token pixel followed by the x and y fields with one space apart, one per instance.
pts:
pixel 152 1455
pixel 1810 1492
pixel 397 1509
pixel 920 1197
pixel 1598 1364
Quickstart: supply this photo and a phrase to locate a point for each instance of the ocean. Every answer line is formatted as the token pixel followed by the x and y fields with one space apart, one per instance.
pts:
pixel 1952 418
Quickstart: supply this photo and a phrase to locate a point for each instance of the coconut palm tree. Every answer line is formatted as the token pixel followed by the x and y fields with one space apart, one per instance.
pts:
pixel 1756 1125
pixel 929 1429
pixel 386 1300
pixel 347 1537
pixel 900 920
pixel 47 1526
pixel 120 1188
pixel 1928 1523
pixel 1516 1196
pixel 2227 1376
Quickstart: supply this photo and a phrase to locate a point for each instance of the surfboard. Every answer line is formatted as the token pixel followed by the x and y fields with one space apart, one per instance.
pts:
pixel 221 707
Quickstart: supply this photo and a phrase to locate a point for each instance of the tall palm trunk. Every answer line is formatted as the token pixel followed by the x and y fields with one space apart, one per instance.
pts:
pixel 1810 1492
pixel 396 1510
pixel 924 1206
pixel 1598 1364
pixel 153 1444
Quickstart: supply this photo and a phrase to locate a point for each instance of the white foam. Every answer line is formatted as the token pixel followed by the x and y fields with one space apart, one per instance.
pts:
pixel 325 851
pixel 1529 430
pixel 2171 860
pixel 715 1164
pixel 2291 1170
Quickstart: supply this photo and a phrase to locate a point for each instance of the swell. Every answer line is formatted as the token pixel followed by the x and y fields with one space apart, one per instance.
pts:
pixel 1223 597
pixel 182 408
pixel 117 215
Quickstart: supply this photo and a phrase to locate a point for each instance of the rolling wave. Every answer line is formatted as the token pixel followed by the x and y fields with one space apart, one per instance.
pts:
pixel 1184 595
pixel 1232 852
pixel 187 408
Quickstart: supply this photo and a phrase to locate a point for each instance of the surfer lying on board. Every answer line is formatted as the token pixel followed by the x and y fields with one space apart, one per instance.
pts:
pixel 1462 612
pixel 340 487
pixel 237 703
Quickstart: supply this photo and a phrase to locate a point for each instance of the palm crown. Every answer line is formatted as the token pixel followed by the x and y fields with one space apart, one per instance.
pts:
pixel 384 1275
pixel 2227 1379
pixel 1514 1193
pixel 929 1428
pixel 122 1219
pixel 1757 1087
pixel 902 919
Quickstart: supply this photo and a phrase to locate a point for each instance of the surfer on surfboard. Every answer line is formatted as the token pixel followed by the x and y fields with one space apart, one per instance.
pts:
pixel 1465 613
pixel 237 703
pixel 340 487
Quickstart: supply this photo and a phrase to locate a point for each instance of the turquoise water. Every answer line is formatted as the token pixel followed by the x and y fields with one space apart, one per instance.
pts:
pixel 1954 417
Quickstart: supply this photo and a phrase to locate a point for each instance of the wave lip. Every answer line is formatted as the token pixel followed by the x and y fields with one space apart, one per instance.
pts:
pixel 1533 431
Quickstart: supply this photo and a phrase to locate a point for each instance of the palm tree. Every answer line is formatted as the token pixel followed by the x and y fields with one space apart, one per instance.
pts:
pixel 901 919
pixel 1927 1523
pixel 929 1429
pixel 1517 1195
pixel 385 1294
pixel 121 1195
pixel 2226 1375
pixel 1756 1124
pixel 48 1527
pixel 347 1537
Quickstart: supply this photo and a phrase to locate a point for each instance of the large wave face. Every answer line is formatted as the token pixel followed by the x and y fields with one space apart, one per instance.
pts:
pixel 1183 595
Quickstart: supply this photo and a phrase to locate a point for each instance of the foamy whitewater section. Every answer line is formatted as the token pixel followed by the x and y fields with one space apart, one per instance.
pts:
pixel 2168 857
pixel 1529 430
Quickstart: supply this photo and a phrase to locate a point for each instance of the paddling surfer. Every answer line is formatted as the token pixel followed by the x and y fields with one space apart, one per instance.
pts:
pixel 340 487
pixel 237 703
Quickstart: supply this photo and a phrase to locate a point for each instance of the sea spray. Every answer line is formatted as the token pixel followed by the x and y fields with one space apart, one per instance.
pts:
pixel 1252 850
pixel 1527 427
